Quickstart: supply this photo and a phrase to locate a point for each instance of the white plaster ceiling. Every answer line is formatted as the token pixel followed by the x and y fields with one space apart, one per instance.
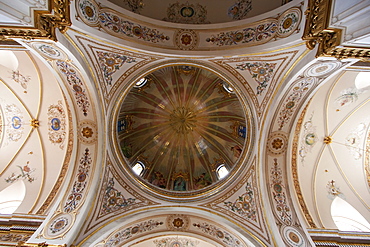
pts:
pixel 32 154
pixel 338 110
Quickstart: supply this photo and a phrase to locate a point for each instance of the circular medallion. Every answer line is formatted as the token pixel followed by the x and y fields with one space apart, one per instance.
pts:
pixel 55 124
pixel 288 22
pixel 277 143
pixel 238 37
pixel 178 222
pixel 181 128
pixel 58 225
pixel 137 31
pixel 322 68
pixel 293 237
pixel 49 51
pixel 310 139
pixel 186 39
pixel 289 105
pixel 87 132
pixel 16 122
pixel 88 11
pixel 187 11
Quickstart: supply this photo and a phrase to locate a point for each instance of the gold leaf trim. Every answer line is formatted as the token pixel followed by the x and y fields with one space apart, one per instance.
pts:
pixel 46 22
pixel 317 31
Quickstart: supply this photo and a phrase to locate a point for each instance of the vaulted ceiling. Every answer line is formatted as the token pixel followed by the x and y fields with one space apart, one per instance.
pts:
pixel 183 95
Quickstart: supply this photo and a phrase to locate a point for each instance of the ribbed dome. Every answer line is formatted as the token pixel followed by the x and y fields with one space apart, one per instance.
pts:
pixel 182 124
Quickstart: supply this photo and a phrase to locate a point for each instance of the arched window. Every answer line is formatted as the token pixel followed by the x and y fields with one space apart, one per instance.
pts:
pixel 141 82
pixel 11 197
pixel 221 171
pixel 347 218
pixel 8 60
pixel 138 168
pixel 227 87
pixel 362 80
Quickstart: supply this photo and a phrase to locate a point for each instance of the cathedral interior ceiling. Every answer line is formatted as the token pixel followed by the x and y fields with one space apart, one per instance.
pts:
pixel 123 87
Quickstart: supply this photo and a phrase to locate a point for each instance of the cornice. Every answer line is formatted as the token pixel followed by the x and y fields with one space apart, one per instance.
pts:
pixel 317 31
pixel 46 22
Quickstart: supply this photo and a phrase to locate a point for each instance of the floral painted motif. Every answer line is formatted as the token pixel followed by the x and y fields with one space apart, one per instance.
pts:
pixel 25 174
pixel 80 183
pixel 89 10
pixel 176 242
pixel 110 63
pixel 14 122
pixel 186 39
pixel 77 85
pixel 222 235
pixel 279 196
pixel 347 97
pixel 354 140
pixel 57 124
pixel 288 23
pixel 240 9
pixel 187 13
pixel 127 233
pixel 260 71
pixel 245 205
pixel 300 89
pixel 59 225
pixel 122 27
pixel 134 5
pixel 114 200
pixel 309 138
pixel 15 237
pixel 333 190
pixel 262 33
pixel 21 79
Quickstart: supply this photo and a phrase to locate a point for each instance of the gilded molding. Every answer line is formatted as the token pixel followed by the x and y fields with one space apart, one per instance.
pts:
pixel 297 186
pixel 58 16
pixel 317 31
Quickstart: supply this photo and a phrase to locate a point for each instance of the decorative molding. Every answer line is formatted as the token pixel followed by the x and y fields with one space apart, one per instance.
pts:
pixel 223 236
pixel 297 186
pixel 52 195
pixel 126 233
pixel 58 16
pixel 76 195
pixel 260 32
pixel 317 31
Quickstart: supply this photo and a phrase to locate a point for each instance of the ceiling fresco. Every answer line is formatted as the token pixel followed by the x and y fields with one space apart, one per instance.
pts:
pixel 199 12
pixel 182 123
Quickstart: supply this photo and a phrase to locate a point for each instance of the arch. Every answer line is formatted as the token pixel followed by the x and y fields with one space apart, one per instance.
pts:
pixel 11 197
pixel 347 218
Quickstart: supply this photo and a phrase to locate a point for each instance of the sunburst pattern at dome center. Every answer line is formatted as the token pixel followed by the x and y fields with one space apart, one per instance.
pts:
pixel 183 120
pixel 182 124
